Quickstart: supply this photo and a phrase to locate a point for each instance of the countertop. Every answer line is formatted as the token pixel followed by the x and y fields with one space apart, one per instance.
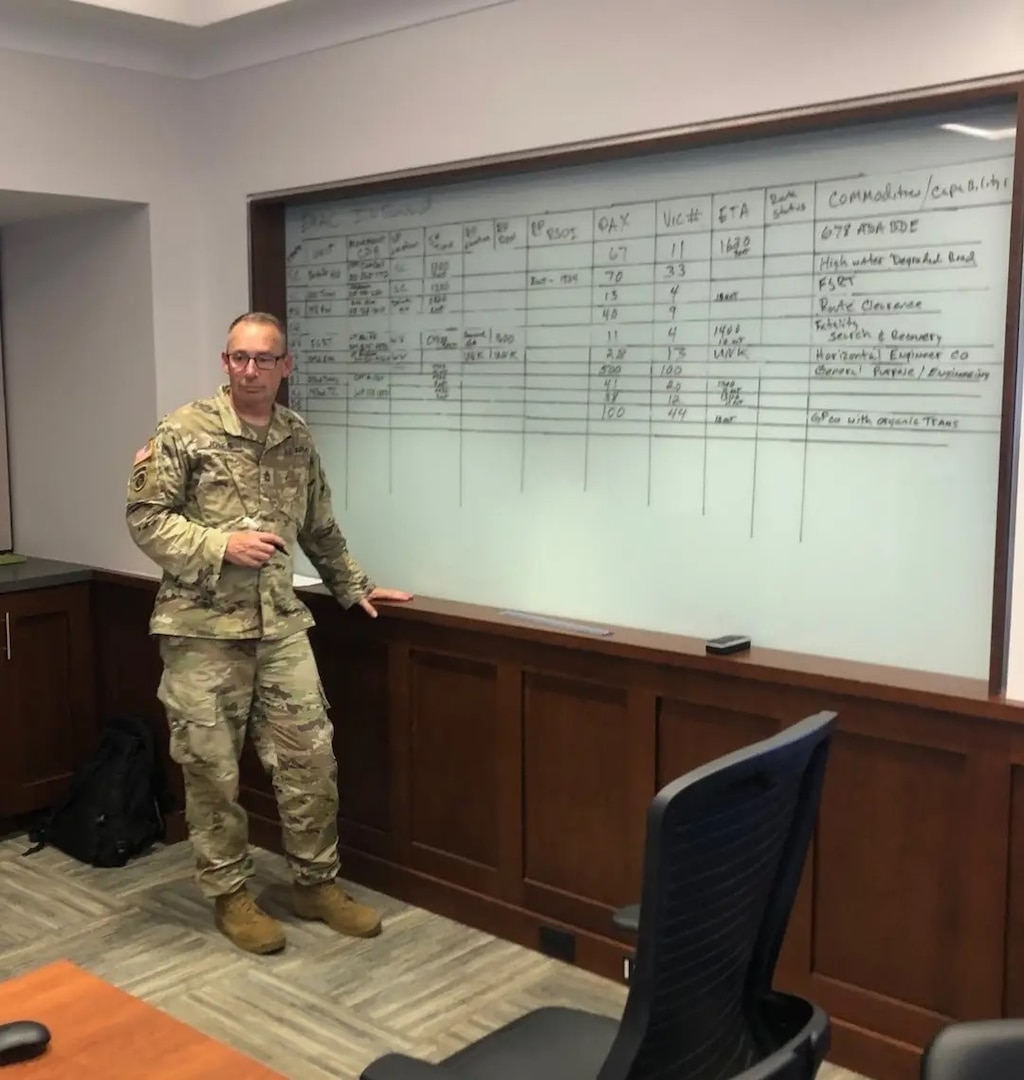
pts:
pixel 37 573
pixel 41 573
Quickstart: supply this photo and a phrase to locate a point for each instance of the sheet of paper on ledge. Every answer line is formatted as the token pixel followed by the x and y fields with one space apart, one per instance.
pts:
pixel 301 580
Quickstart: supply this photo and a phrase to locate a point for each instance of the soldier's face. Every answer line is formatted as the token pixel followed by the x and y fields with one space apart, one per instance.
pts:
pixel 254 383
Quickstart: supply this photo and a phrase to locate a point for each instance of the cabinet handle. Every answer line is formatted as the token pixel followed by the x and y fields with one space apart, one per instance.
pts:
pixel 7 629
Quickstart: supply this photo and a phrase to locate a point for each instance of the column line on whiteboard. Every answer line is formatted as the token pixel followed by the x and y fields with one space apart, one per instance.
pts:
pixel 348 428
pixel 391 379
pixel 586 422
pixel 650 359
pixel 462 366
pixel 810 363
pixel 590 351
pixel 927 190
pixel 761 341
pixel 707 391
pixel 462 380
pixel 753 478
pixel 526 351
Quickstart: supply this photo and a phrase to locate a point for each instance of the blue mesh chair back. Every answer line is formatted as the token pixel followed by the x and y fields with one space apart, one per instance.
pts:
pixel 725 850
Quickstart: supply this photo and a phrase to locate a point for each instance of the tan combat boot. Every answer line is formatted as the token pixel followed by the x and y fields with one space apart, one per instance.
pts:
pixel 332 905
pixel 240 920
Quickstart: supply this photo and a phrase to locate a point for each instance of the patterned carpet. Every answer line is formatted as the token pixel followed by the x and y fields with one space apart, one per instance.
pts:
pixel 323 1008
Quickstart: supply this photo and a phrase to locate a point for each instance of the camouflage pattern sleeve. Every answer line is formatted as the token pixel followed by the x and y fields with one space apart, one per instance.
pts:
pixel 181 547
pixel 322 540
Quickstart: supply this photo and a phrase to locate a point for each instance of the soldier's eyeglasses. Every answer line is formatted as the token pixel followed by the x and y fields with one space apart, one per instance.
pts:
pixel 263 360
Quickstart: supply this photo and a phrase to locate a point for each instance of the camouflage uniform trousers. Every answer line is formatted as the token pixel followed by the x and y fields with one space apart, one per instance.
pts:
pixel 215 691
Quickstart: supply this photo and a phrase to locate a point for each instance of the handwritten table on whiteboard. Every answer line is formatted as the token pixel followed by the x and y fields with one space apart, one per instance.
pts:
pixel 654 352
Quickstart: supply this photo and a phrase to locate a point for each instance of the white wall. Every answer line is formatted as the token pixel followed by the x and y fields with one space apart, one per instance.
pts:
pixel 78 129
pixel 72 128
pixel 540 73
pixel 78 333
pixel 525 75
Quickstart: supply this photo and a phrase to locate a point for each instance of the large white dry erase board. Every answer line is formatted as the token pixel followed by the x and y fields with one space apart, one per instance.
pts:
pixel 750 388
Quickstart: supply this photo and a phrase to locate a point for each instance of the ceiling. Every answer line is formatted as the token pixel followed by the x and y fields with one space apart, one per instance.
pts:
pixel 199 38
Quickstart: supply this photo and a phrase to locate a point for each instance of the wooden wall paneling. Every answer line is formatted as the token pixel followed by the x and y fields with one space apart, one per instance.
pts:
pixel 691 735
pixel 983 846
pixel 910 912
pixel 128 670
pixel 589 771
pixel 749 708
pixel 509 711
pixel 456 771
pixel 494 644
pixel 400 743
pixel 913 852
pixel 1013 993
pixel 886 903
pixel 354 670
pixel 359 710
pixel 938 902
pixel 927 873
pixel 128 666
pixel 870 1054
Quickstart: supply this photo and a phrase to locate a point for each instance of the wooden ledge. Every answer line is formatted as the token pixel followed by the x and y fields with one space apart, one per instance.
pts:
pixel 944 693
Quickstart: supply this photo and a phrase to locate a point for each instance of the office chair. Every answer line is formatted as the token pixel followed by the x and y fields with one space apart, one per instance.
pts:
pixel 724 853
pixel 976 1050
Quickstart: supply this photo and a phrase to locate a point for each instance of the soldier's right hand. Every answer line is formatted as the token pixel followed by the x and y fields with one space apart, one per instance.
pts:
pixel 252 548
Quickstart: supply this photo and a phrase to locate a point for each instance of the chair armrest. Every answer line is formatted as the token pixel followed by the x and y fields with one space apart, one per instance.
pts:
pixel 627 918
pixel 402 1067
pixel 993 1049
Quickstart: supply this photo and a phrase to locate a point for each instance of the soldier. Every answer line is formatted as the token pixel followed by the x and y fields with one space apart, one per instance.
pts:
pixel 219 498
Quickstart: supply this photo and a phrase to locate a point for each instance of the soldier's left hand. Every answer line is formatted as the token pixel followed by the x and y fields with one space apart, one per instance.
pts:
pixel 386 595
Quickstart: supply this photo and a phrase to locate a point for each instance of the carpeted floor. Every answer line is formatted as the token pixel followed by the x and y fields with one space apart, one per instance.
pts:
pixel 323 1008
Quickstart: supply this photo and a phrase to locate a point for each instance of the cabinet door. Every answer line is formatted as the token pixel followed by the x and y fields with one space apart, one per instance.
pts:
pixel 47 698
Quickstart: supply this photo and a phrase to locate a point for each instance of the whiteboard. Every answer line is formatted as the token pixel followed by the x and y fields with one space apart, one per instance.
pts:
pixel 744 389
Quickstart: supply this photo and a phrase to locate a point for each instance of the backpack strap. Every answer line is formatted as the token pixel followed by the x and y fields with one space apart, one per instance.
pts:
pixel 143 729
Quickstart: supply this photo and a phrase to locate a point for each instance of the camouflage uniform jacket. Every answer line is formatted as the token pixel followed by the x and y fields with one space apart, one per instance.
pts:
pixel 205 474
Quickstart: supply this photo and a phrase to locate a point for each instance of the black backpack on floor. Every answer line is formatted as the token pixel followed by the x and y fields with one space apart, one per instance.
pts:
pixel 115 805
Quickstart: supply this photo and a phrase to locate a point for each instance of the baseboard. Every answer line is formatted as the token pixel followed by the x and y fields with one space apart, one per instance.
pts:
pixel 870 1054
